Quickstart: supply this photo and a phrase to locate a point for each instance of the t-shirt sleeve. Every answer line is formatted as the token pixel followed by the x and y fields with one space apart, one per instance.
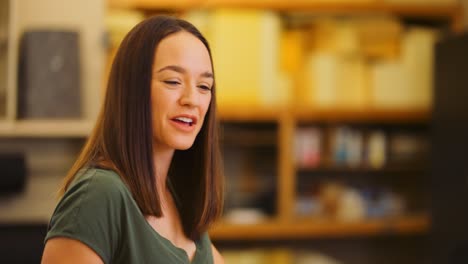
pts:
pixel 206 244
pixel 89 212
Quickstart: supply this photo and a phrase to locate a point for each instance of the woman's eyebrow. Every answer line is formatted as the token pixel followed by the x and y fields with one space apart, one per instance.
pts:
pixel 207 75
pixel 183 71
pixel 173 68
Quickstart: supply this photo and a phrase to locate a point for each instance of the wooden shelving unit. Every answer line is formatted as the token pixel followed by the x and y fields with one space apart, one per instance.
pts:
pixel 284 225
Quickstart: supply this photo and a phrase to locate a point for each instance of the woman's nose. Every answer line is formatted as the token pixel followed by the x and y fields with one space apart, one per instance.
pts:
pixel 189 96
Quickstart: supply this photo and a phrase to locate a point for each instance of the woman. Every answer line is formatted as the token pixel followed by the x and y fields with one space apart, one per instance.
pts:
pixel 147 184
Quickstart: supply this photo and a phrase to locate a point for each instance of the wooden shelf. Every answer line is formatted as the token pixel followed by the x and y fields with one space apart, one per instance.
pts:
pixel 362 169
pixel 343 7
pixel 82 128
pixel 307 229
pixel 250 113
pixel 364 115
pixel 452 13
pixel 46 128
pixel 273 114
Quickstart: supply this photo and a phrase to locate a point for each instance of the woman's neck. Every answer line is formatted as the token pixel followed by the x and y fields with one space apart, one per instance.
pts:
pixel 162 158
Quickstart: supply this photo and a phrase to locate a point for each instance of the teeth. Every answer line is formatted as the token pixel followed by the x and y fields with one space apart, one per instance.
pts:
pixel 184 119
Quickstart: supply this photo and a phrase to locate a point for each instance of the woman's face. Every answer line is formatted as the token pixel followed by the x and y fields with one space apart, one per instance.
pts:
pixel 180 90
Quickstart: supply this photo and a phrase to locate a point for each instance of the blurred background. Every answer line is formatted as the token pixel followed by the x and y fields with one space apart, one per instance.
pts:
pixel 344 125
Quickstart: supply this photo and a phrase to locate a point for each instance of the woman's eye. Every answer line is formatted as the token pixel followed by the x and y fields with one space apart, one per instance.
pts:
pixel 204 87
pixel 172 82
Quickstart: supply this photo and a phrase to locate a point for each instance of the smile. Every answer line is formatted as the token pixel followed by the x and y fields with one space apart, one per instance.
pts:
pixel 186 120
pixel 184 123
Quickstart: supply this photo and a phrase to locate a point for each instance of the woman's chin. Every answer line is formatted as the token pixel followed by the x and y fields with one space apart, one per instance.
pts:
pixel 183 148
pixel 183 145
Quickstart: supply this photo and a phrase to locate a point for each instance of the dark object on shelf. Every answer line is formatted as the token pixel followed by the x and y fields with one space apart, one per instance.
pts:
pixel 13 173
pixel 450 146
pixel 22 242
pixel 49 75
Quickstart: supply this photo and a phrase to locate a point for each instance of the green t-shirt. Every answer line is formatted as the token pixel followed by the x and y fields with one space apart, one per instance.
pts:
pixel 99 210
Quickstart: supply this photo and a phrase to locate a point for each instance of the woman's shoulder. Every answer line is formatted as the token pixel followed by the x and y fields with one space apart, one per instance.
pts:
pixel 90 211
pixel 94 189
pixel 99 181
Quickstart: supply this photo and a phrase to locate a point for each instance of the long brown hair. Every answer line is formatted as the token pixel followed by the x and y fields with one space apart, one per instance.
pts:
pixel 122 139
